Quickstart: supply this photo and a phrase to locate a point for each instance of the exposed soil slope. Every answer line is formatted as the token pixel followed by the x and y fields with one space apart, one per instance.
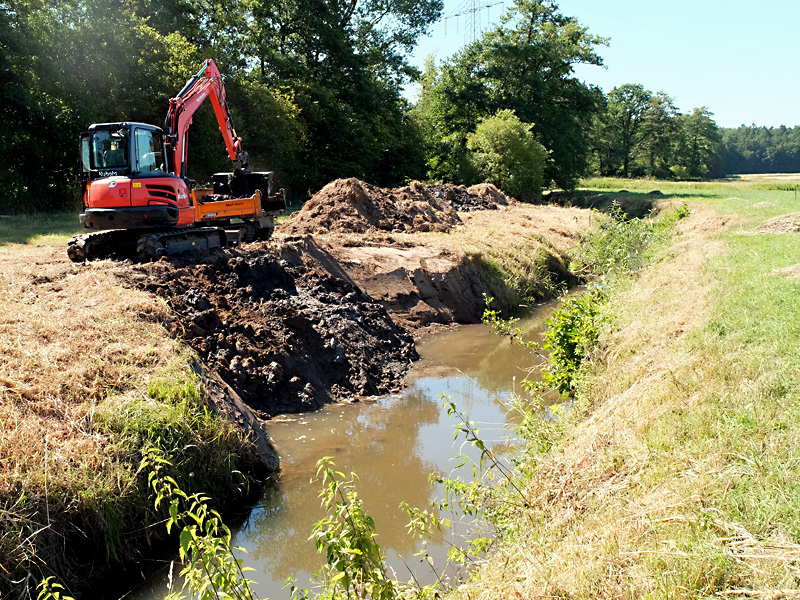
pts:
pixel 286 337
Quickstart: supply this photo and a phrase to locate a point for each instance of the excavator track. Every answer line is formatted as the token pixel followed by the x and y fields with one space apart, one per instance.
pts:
pixel 153 246
pixel 144 246
pixel 101 244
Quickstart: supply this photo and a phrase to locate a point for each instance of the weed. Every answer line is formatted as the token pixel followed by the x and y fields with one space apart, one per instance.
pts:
pixel 621 245
pixel 572 334
pixel 211 571
pixel 49 589
pixel 355 567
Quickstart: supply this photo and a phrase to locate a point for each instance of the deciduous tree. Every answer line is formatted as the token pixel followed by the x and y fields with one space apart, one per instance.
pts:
pixel 525 65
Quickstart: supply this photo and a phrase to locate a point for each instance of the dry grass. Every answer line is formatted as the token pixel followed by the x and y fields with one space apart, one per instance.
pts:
pixel 558 228
pixel 90 374
pixel 71 336
pixel 622 510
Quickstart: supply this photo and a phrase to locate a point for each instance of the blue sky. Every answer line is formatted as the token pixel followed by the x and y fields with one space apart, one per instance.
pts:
pixel 739 59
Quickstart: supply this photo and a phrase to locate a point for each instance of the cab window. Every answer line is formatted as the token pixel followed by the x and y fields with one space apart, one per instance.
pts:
pixel 148 146
pixel 110 149
pixel 85 154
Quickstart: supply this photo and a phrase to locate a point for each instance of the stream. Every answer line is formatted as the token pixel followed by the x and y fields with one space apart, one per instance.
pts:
pixel 393 445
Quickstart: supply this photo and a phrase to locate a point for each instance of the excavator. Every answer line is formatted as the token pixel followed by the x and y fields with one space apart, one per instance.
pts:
pixel 138 200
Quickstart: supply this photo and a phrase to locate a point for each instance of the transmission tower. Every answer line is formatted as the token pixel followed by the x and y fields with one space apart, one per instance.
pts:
pixel 471 9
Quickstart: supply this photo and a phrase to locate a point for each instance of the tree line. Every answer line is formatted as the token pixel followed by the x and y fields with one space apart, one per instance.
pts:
pixel 316 91
pixel 639 133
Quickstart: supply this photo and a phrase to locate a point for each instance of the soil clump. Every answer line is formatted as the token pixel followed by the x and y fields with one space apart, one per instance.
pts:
pixel 286 337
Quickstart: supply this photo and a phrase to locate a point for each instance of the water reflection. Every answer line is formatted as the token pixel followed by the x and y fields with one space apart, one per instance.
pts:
pixel 393 444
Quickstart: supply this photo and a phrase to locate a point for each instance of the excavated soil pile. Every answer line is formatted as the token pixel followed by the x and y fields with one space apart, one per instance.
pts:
pixel 353 206
pixel 287 338
pixel 483 196
pixel 789 223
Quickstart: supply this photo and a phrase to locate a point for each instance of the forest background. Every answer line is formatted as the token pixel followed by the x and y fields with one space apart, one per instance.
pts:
pixel 316 91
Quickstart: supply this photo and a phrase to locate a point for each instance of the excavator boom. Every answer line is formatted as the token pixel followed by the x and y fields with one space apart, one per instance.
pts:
pixel 206 84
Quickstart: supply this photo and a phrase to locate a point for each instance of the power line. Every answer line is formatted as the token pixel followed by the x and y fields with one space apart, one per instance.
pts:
pixel 471 9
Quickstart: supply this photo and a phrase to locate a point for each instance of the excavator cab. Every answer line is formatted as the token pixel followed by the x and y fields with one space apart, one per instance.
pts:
pixel 122 149
pixel 126 183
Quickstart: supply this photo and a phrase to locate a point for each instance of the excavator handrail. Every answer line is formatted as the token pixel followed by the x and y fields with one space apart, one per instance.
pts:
pixel 207 83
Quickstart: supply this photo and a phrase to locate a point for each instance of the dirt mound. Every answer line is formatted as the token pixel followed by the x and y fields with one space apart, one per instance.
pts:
pixel 483 196
pixel 782 224
pixel 353 206
pixel 286 338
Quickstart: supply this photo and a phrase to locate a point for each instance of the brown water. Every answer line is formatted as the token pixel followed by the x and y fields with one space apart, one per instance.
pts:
pixel 393 444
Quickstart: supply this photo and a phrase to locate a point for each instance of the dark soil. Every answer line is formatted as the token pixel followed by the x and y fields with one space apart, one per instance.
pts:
pixel 483 196
pixel 286 338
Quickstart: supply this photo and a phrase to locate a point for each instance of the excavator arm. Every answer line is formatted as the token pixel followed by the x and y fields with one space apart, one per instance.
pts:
pixel 207 83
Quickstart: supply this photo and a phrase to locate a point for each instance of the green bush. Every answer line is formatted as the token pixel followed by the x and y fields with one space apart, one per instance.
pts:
pixel 572 333
pixel 507 154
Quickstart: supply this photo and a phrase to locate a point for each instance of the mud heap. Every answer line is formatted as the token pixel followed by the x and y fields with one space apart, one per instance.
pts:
pixel 285 337
pixel 353 206
pixel 483 196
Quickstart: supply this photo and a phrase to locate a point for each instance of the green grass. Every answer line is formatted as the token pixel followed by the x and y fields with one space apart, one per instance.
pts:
pixel 682 477
pixel 44 228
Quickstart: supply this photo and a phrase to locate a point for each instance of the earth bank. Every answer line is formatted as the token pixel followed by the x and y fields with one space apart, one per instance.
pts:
pixel 325 312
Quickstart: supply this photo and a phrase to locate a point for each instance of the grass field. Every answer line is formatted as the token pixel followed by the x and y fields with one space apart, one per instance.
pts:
pixel 50 228
pixel 678 473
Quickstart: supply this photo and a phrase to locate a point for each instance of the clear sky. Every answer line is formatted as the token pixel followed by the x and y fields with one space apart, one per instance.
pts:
pixel 739 59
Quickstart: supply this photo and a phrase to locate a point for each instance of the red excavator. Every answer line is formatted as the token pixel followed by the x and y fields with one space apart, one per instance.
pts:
pixel 138 198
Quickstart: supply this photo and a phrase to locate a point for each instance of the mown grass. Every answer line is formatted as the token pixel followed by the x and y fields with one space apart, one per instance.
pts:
pixel 45 228
pixel 677 474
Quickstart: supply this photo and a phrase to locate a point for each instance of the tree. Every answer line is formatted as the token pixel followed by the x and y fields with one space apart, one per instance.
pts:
pixel 345 63
pixel 627 106
pixel 698 144
pixel 657 136
pixel 314 86
pixel 753 149
pixel 525 65
pixel 507 154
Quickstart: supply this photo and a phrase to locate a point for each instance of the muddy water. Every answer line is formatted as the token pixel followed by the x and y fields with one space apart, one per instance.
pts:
pixel 393 444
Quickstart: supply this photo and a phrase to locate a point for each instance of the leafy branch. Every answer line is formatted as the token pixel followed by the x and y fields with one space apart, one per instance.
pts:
pixel 211 571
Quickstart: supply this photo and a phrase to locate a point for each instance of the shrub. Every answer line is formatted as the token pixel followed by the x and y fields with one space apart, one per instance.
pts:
pixel 507 154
